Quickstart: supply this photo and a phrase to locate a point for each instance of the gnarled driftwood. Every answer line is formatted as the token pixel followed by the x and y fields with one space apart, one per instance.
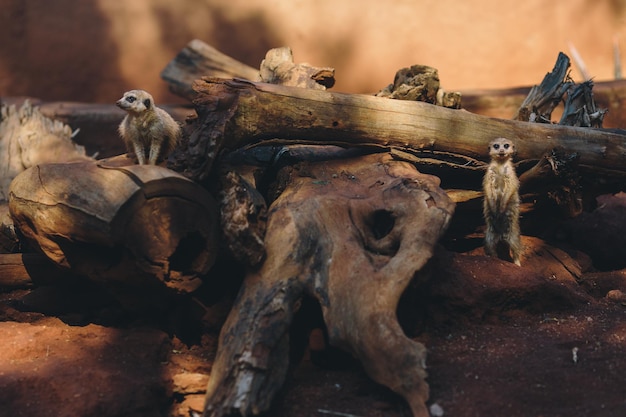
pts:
pixel 353 234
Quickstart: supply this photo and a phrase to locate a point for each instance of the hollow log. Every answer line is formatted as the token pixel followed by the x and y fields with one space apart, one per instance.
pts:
pixel 352 234
pixel 237 113
pixel 131 226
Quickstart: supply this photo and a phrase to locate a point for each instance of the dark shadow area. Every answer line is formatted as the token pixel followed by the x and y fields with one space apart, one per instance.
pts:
pixel 61 57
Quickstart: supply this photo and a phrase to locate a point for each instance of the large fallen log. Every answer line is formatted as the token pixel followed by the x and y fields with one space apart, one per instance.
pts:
pixel 199 59
pixel 238 113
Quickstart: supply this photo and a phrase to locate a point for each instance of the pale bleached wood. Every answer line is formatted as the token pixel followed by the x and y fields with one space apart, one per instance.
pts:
pixel 27 138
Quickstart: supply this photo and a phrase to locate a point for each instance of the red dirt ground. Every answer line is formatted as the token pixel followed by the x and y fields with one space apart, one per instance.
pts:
pixel 501 342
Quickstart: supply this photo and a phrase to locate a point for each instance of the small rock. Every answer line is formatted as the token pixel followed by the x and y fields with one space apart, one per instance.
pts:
pixel 616 296
pixel 190 383
pixel 436 410
pixel 191 406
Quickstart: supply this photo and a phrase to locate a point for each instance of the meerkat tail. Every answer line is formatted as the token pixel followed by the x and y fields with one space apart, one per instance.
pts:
pixel 490 242
pixel 515 245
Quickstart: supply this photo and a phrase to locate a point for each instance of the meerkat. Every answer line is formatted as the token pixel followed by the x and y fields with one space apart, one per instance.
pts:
pixel 501 203
pixel 147 128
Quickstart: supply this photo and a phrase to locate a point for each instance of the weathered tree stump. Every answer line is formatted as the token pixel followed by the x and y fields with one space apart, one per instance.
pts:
pixel 131 226
pixel 353 234
pixel 544 97
pixel 580 108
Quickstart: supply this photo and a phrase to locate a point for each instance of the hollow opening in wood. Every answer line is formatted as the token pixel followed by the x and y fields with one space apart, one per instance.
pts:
pixel 381 223
pixel 187 252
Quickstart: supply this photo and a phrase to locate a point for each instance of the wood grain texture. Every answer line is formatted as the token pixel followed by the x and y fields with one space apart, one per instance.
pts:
pixel 142 226
pixel 238 113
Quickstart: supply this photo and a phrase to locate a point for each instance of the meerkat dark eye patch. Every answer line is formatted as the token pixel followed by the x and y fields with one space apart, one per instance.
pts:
pixel 496 146
pixel 146 103
pixel 506 146
pixel 131 99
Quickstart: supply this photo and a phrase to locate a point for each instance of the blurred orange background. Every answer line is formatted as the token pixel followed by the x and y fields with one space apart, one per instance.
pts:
pixel 94 50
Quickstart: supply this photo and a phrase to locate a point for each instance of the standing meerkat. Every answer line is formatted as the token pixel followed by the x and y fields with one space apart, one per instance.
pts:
pixel 501 203
pixel 147 128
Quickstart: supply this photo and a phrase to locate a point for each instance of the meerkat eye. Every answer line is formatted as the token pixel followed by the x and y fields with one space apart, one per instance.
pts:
pixel 506 146
pixel 131 99
pixel 496 146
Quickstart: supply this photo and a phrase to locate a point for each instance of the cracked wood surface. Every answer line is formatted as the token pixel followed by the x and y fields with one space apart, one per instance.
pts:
pixel 352 234
pixel 238 113
pixel 116 222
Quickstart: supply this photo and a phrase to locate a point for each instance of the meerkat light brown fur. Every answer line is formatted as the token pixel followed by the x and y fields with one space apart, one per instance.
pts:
pixel 501 203
pixel 147 128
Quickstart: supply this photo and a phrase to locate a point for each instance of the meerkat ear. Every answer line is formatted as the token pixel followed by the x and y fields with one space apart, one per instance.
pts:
pixel 146 103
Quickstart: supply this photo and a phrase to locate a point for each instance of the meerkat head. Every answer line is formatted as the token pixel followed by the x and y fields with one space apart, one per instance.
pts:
pixel 501 149
pixel 136 101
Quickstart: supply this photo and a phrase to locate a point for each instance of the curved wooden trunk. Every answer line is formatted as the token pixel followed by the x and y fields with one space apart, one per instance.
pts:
pixel 123 224
pixel 353 234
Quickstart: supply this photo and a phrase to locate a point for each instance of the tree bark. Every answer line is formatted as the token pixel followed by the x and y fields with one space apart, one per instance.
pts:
pixel 338 232
pixel 502 103
pixel 237 113
pixel 544 97
pixel 131 226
